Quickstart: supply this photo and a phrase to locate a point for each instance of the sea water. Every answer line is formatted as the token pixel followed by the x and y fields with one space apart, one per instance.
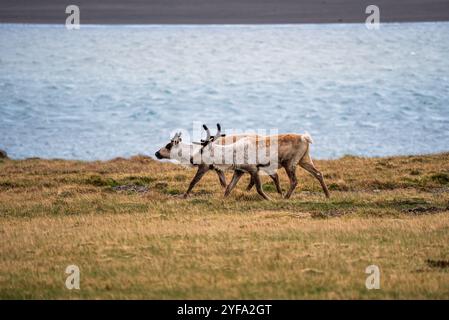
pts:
pixel 107 91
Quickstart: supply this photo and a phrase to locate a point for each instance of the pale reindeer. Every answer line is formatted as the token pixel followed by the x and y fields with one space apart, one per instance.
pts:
pixel 244 156
pixel 182 152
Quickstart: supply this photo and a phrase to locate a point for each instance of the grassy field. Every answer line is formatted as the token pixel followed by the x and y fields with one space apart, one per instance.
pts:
pixel 125 225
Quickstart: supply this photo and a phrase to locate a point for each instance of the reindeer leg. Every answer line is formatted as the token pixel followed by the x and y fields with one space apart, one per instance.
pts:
pixel 251 184
pixel 259 189
pixel 235 178
pixel 202 169
pixel 291 172
pixel 275 178
pixel 221 177
pixel 317 174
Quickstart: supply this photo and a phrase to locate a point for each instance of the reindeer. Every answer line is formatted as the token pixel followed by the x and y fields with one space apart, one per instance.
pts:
pixel 182 152
pixel 289 151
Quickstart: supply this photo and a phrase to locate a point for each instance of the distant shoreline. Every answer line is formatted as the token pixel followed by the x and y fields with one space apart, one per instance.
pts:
pixel 207 25
pixel 222 12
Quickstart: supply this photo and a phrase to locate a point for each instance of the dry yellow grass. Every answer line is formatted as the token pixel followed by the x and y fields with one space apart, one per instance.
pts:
pixel 392 212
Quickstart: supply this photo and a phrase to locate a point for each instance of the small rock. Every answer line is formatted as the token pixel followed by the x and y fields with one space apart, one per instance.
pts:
pixel 423 210
pixel 3 154
pixel 131 188
pixel 161 185
pixel 438 263
pixel 312 271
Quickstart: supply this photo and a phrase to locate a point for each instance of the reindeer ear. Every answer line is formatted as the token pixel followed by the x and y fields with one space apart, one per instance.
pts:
pixel 179 134
pixel 218 127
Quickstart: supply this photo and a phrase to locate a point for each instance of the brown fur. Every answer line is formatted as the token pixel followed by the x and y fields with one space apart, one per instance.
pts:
pixel 293 149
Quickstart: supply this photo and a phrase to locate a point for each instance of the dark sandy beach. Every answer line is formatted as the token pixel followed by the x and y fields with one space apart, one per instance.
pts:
pixel 221 11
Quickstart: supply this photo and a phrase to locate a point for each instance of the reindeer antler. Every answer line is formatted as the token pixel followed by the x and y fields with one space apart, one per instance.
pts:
pixel 219 134
pixel 208 136
pixel 204 142
pixel 176 136
pixel 216 136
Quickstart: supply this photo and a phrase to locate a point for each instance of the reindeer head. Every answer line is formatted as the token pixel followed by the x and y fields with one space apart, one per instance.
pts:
pixel 166 152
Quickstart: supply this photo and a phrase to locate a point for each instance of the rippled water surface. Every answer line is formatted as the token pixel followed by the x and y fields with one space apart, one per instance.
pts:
pixel 107 91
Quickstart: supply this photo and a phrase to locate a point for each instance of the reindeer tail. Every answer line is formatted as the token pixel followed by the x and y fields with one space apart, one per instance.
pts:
pixel 307 137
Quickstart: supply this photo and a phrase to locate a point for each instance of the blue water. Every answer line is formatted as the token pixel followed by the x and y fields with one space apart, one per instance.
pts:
pixel 107 91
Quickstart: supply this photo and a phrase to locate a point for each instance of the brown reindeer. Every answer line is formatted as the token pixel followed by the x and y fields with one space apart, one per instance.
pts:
pixel 244 155
pixel 292 149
